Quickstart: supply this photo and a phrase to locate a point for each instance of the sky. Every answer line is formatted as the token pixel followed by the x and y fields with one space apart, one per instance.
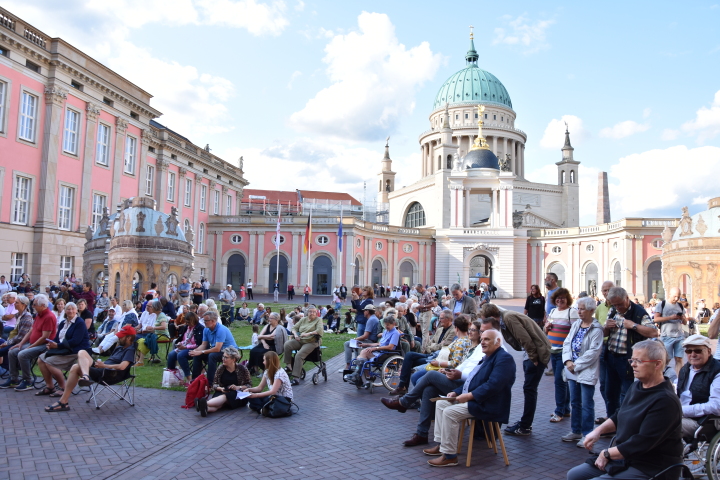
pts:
pixel 311 90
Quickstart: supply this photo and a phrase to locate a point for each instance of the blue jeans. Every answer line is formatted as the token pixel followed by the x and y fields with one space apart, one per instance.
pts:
pixel 415 377
pixel 562 393
pixel 581 397
pixel 182 357
pixel 411 360
pixel 212 360
pixel 306 297
pixel 360 329
pixel 617 380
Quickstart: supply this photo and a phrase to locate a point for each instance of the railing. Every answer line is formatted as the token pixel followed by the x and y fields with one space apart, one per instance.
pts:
pixel 7 22
pixel 174 141
pixel 381 228
pixel 483 231
pixel 191 148
pixel 557 232
pixel 659 223
pixel 615 225
pixel 593 229
pixel 409 231
pixel 34 38
pixel 606 227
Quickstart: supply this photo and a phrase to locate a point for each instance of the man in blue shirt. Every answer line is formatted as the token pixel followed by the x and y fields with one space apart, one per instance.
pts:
pixel 216 337
pixel 551 284
pixel 184 288
pixel 370 334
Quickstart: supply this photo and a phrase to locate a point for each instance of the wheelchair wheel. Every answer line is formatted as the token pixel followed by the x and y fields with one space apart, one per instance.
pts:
pixel 324 372
pixel 391 371
pixel 712 464
pixel 302 374
pixel 315 378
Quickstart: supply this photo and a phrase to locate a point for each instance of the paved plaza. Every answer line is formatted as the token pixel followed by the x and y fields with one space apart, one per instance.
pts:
pixel 340 432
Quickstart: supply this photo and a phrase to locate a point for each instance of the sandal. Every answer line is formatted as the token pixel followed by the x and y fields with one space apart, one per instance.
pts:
pixel 57 407
pixel 57 393
pixel 554 418
pixel 45 391
pixel 84 381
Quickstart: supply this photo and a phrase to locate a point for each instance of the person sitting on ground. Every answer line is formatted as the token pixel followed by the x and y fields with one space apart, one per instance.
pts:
pixel 29 343
pixel 485 395
pixel 128 317
pixel 306 336
pixel 191 338
pixel 436 383
pixel 442 337
pixel 230 377
pixel 62 353
pixel 370 334
pixel 698 384
pixel 243 313
pixel 272 338
pixel 274 378
pixel 259 314
pixel 216 338
pixel 88 370
pixel 649 424
pixel 159 327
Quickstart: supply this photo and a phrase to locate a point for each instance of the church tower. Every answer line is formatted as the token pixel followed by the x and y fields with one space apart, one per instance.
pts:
pixel 386 177
pixel 568 169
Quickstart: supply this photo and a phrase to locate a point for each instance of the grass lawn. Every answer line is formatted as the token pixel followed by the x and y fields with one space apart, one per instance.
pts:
pixel 150 375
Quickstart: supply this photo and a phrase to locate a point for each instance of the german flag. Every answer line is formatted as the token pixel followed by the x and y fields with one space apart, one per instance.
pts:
pixel 308 233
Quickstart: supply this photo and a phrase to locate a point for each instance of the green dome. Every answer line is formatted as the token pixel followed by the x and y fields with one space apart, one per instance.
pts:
pixel 472 85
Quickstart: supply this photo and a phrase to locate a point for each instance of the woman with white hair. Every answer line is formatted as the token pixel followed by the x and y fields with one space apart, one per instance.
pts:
pixel 581 357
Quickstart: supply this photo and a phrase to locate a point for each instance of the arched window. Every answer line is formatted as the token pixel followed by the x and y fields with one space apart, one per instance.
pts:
pixel 572 176
pixel 562 178
pixel 415 216
pixel 201 239
pixel 187 225
pixel 449 162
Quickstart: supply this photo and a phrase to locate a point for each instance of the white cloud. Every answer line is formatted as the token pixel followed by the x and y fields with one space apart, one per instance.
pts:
pixel 294 75
pixel 647 112
pixel 624 129
pixel 522 32
pixel 588 181
pixel 554 136
pixel 300 6
pixel 706 124
pixel 657 192
pixel 669 134
pixel 374 80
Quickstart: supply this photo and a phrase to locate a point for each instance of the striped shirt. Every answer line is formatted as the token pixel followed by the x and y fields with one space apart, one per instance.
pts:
pixel 561 323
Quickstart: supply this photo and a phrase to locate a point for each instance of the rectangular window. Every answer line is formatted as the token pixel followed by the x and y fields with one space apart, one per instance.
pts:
pixel 65 207
pixel 203 195
pixel 72 126
pixel 32 66
pixel 228 205
pixel 188 191
pixel 98 208
pixel 17 266
pixel 76 85
pixel 216 202
pixel 66 267
pixel 21 208
pixel 202 273
pixel 149 176
pixel 3 89
pixel 28 117
pixel 130 154
pixel 171 187
pixel 103 145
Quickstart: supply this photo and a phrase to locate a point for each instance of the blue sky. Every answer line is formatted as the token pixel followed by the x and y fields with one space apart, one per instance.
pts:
pixel 311 89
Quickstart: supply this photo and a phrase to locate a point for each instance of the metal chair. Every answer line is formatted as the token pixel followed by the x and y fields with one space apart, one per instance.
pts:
pixel 122 388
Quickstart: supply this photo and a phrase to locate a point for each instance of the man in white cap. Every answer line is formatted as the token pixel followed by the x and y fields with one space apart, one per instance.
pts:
pixel 228 296
pixel 698 383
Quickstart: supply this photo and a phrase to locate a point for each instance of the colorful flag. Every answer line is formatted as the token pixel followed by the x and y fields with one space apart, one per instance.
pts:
pixel 308 232
pixel 339 233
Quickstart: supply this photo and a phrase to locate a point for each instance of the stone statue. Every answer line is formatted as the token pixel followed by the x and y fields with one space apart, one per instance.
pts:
pixel 685 223
pixel 504 164
pixel 207 147
pixel 159 226
pixel 104 222
pixel 121 222
pixel 701 226
pixel 88 233
pixel 241 162
pixel 387 186
pixel 592 288
pixel 151 271
pixel 457 163
pixel 517 218
pixel 189 235
pixel 140 222
pixel 172 222
pixel 667 235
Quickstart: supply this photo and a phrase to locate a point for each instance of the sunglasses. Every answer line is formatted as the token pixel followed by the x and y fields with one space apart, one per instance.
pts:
pixel 696 351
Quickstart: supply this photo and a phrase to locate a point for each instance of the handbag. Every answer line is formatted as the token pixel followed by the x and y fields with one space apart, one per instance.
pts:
pixel 443 356
pixel 277 407
pixel 51 352
pixel 171 378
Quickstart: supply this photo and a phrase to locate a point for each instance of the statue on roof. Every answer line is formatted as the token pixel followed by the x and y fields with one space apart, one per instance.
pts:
pixel 104 222
pixel 241 161
pixel 685 223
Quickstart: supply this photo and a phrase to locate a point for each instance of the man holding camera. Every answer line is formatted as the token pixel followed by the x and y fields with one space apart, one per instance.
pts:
pixel 670 315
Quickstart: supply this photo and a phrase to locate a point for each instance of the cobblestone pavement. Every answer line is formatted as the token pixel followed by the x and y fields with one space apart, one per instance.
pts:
pixel 340 432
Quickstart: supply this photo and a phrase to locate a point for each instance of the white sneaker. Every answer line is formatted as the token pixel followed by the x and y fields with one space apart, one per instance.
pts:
pixel 571 437
pixel 581 442
pixel 96 350
pixel 341 370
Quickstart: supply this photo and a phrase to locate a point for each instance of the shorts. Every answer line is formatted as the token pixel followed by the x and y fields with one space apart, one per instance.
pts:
pixel 61 362
pixel 674 347
pixel 98 375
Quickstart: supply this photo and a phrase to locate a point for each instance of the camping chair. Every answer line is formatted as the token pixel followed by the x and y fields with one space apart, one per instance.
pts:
pixel 122 387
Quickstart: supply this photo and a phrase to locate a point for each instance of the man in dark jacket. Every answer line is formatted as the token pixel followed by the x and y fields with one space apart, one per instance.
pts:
pixel 485 396
pixel 699 389
pixel 461 303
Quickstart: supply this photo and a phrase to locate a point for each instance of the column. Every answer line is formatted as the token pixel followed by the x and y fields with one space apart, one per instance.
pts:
pixel 638 268
pixel 294 260
pixel 502 204
pixel 466 208
pixel 543 266
pixel 349 247
pixel 339 267
pixel 54 104
pixel 421 273
pixel 196 209
pixel 217 263
pixel 627 265
pixel 572 284
pixel 161 169
pixel 303 265
pixel 506 148
pixel 251 257
pixel 260 280
pixel 428 261
pixel 368 261
pixel 396 268
pixel 118 166
pixel 141 172
pixel 91 111
pixel 513 163
pixel 494 147
pixel 492 208
pixel 533 263
pixel 509 205
pixel 602 268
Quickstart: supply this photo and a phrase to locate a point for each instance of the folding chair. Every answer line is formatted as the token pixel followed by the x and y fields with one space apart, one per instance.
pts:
pixel 162 339
pixel 123 388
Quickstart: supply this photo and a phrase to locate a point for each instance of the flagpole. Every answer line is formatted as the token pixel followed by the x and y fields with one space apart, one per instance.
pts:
pixel 277 242
pixel 309 244
pixel 340 263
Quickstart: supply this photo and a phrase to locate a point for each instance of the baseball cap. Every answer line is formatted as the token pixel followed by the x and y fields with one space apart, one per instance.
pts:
pixel 125 331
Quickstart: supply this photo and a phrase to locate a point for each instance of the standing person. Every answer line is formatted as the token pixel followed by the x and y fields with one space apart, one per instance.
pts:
pixel 87 294
pixel 358 307
pixel 551 283
pixel 628 323
pixel 425 309
pixel 5 287
pixel 535 306
pixel 601 315
pixel 197 292
pixel 241 293
pixel 206 288
pixel 228 297
pixel 670 314
pixel 249 287
pixel 343 293
pixel 558 326
pixel 290 291
pixel 581 357
pixel 184 289
pixel 306 293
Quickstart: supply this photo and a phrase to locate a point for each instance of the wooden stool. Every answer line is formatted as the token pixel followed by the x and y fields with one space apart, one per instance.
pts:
pixel 494 427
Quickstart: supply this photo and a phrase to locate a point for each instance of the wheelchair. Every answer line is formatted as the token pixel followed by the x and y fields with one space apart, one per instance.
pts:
pixel 385 367
pixel 702 452
pixel 315 358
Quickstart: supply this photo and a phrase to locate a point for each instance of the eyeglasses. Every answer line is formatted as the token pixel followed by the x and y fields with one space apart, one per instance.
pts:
pixel 696 351
pixel 633 361
pixel 472 329
pixel 226 357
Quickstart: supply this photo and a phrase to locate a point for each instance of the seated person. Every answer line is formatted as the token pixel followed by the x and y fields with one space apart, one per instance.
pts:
pixel 128 317
pixel 485 395
pixel 274 378
pixel 442 337
pixel 62 353
pixel 698 385
pixel 457 350
pixel 259 314
pixel 306 335
pixel 230 377
pixel 108 326
pixel 102 305
pixel 436 383
pixel 372 327
pixel 216 337
pixel 272 338
pixel 88 370
pixel 33 343
pixel 649 424
pixel 154 323
pixel 23 326
pixel 243 313
pixel 388 343
pixel 191 338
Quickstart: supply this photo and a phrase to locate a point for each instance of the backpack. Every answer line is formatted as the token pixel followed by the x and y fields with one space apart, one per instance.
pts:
pixel 199 388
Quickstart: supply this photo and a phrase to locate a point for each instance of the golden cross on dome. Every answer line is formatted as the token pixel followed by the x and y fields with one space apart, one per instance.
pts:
pixel 471 31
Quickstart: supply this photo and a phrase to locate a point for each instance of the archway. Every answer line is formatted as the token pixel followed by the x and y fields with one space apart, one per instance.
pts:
pixel 654 280
pixel 480 270
pixel 590 285
pixel 100 282
pixel 137 286
pixel 558 269
pixel 116 294
pixel 236 270
pixel 322 275
pixel 356 272
pixel 406 273
pixel 377 272
pixel 171 281
pixel 273 272
pixel 617 274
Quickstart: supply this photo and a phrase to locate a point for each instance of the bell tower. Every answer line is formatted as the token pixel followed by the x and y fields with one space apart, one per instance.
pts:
pixel 386 177
pixel 568 170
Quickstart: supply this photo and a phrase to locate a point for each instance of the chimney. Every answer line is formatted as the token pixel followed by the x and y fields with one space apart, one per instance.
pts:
pixel 603 205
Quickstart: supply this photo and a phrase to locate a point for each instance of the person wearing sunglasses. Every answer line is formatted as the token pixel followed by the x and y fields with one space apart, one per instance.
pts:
pixel 230 378
pixel 698 383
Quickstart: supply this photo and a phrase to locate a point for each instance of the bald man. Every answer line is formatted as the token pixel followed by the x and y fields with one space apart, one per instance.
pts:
pixel 670 315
